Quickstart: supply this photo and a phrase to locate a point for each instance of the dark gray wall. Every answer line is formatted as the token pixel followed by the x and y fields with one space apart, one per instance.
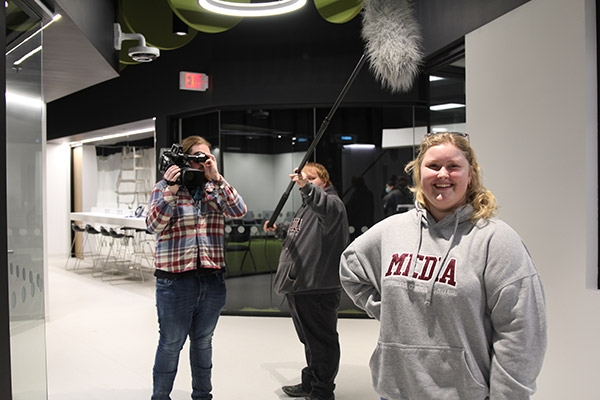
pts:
pixel 298 60
pixel 95 19
pixel 443 21
pixel 293 61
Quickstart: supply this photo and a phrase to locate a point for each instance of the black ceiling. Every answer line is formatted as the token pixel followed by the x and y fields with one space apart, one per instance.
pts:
pixel 299 56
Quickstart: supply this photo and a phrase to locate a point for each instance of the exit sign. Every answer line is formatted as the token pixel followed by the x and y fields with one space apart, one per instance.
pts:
pixel 193 81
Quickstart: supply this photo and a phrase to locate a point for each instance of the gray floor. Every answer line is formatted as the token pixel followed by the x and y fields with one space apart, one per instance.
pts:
pixel 101 339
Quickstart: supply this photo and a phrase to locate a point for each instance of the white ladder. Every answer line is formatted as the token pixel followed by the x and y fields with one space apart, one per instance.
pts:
pixel 132 183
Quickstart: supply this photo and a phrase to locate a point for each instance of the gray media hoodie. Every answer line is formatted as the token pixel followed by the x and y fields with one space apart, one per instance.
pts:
pixel 315 240
pixel 461 307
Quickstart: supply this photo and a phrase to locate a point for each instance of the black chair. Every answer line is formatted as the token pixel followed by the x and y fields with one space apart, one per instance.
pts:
pixel 72 252
pixel 239 240
pixel 144 243
pixel 115 263
pixel 103 251
pixel 91 230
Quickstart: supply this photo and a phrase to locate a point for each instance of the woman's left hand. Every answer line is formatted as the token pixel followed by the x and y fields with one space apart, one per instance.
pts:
pixel 299 178
pixel 210 168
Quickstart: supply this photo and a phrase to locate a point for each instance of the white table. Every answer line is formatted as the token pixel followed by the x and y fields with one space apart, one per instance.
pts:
pixel 109 219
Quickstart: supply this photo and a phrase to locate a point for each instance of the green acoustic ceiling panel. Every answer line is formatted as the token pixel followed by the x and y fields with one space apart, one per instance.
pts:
pixel 339 11
pixel 198 18
pixel 154 20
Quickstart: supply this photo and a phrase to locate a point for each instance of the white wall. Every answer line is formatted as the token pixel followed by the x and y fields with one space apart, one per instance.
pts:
pixel 89 178
pixel 58 193
pixel 531 114
pixel 58 197
pixel 261 179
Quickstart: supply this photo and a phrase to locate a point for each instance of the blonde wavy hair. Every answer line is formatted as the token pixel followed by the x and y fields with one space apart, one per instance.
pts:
pixel 482 200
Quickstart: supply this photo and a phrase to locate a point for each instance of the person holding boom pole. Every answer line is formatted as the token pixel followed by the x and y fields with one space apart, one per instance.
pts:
pixel 308 277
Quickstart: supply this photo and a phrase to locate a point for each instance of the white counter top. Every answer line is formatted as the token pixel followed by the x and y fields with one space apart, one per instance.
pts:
pixel 109 219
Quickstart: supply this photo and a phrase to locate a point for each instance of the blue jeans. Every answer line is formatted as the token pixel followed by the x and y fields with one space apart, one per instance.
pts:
pixel 188 306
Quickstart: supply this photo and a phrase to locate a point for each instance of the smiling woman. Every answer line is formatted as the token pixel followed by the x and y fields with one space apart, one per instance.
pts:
pixel 446 175
pixel 426 265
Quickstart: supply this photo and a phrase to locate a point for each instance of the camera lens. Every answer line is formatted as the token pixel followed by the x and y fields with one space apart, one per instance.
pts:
pixel 192 177
pixel 198 157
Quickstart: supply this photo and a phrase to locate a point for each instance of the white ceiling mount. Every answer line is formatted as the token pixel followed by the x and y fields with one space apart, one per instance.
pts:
pixel 251 9
pixel 141 53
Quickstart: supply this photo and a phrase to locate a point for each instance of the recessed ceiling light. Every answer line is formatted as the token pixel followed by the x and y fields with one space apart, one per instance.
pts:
pixel 359 146
pixel 446 106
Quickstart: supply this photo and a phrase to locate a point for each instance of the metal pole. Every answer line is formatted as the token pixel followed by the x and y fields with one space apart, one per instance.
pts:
pixel 318 137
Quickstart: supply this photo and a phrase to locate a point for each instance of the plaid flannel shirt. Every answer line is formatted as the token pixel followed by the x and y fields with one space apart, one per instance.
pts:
pixel 187 230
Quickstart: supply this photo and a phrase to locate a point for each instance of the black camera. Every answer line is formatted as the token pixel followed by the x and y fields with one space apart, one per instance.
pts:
pixel 189 176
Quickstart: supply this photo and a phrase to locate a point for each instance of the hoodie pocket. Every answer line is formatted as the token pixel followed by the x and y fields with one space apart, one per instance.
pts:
pixel 409 372
pixel 285 279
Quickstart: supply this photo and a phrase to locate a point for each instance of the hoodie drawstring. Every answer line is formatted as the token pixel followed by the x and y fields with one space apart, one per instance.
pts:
pixel 439 267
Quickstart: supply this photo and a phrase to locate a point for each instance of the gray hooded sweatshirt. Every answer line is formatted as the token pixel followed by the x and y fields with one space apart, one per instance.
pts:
pixel 461 307
pixel 318 234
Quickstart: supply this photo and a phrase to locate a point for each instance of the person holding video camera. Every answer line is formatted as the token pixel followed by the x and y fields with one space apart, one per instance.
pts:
pixel 189 260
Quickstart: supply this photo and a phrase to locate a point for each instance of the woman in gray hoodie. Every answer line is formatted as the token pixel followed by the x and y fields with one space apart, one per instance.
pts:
pixel 308 277
pixel 460 303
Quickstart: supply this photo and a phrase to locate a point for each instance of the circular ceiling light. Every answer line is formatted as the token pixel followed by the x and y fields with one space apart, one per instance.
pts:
pixel 251 9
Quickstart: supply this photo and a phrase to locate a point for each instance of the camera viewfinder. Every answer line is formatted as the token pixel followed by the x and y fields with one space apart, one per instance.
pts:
pixel 198 157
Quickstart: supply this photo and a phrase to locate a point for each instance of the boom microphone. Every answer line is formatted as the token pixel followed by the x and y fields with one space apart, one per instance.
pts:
pixel 393 41
pixel 393 49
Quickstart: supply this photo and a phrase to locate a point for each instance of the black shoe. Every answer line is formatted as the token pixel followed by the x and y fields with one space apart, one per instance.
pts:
pixel 295 391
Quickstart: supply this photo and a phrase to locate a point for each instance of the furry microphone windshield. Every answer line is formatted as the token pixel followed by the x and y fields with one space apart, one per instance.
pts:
pixel 393 41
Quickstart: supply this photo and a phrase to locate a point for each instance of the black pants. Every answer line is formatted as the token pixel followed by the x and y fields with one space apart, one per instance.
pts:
pixel 315 320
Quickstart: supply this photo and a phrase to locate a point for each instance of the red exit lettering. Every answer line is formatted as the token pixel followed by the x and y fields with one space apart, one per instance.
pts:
pixel 193 81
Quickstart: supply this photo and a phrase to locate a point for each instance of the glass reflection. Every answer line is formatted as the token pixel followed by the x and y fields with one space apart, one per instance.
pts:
pixel 24 117
pixel 447 97
pixel 258 148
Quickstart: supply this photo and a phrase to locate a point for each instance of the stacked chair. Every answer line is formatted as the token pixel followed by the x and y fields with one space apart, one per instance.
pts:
pixel 74 263
pixel 114 254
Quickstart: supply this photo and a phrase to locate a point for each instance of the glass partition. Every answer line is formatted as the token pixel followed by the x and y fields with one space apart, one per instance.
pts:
pixel 447 96
pixel 363 148
pixel 257 150
pixel 24 118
